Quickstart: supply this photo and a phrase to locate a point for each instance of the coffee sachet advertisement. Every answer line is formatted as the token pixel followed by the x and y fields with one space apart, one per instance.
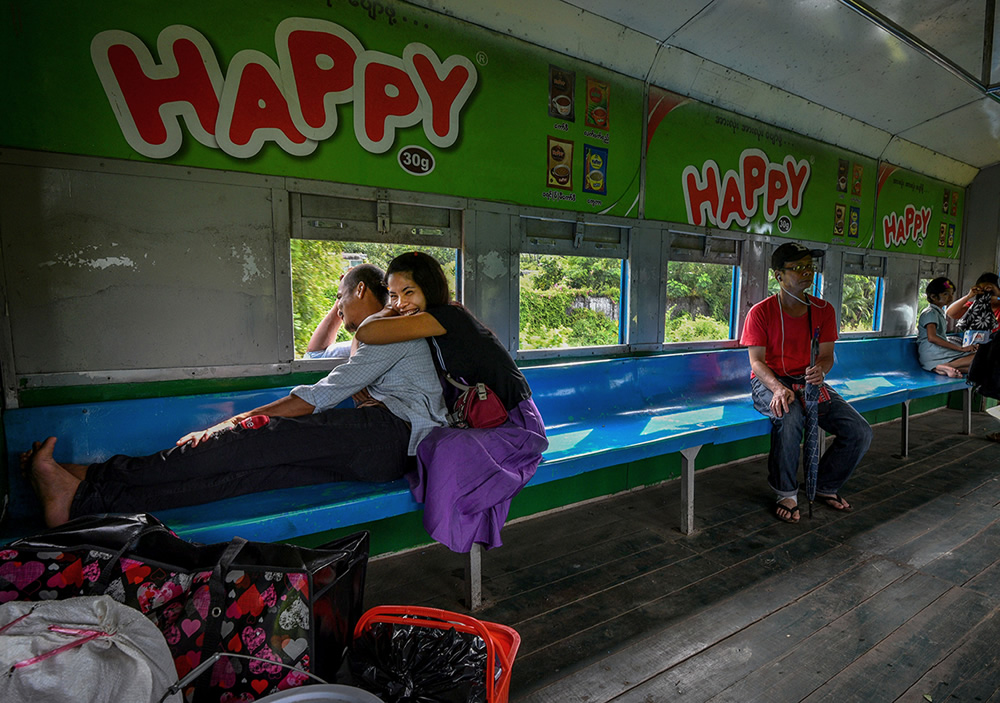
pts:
pixel 560 171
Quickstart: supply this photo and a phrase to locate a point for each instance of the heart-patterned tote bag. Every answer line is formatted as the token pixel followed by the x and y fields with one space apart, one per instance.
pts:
pixel 283 612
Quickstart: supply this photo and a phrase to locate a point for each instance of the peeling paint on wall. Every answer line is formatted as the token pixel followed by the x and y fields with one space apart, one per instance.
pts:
pixel 491 265
pixel 79 258
pixel 250 270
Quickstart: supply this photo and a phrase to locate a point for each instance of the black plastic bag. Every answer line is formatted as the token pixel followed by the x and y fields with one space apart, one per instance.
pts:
pixel 415 664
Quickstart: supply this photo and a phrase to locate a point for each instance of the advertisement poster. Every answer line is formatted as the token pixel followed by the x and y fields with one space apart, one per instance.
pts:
pixel 381 94
pixel 917 214
pixel 711 168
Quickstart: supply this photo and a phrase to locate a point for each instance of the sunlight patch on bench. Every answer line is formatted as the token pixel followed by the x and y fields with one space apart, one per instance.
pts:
pixel 683 420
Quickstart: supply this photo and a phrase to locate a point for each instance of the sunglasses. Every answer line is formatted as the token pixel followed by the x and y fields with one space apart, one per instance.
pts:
pixel 800 268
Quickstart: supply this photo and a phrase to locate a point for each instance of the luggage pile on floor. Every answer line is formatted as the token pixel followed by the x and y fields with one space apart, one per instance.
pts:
pixel 243 621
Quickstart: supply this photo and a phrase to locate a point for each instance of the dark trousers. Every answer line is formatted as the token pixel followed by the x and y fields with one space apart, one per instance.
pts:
pixel 340 444
pixel 852 435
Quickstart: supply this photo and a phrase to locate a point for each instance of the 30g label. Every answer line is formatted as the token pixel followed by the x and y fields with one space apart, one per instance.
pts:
pixel 416 160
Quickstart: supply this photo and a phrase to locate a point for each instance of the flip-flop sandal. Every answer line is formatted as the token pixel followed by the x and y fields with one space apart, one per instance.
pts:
pixel 793 517
pixel 829 502
pixel 993 436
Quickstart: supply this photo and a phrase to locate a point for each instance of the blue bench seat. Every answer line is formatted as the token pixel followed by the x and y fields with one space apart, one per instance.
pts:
pixel 598 414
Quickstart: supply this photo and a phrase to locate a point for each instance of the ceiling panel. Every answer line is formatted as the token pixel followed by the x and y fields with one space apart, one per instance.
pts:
pixel 970 134
pixel 828 54
pixel 816 67
pixel 656 18
pixel 951 27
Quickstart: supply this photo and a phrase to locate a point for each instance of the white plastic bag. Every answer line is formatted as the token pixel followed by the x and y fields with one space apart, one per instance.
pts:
pixel 81 649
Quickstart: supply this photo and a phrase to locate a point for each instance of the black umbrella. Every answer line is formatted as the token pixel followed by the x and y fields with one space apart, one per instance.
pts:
pixel 810 397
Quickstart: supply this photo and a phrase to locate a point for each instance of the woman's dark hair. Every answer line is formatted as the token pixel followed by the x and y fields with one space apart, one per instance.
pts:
pixel 426 272
pixel 989 278
pixel 938 286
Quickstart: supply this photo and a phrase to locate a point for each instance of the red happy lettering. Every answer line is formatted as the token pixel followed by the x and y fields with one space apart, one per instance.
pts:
pixel 388 100
pixel 798 176
pixel 322 65
pixel 923 221
pixel 444 90
pixel 753 166
pixel 889 224
pixel 186 84
pixel 732 202
pixel 777 191
pixel 253 109
pixel 317 61
pixel 701 195
pixel 909 217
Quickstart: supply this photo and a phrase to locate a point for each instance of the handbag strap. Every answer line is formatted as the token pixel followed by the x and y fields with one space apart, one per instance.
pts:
pixel 104 580
pixel 444 369
pixel 217 594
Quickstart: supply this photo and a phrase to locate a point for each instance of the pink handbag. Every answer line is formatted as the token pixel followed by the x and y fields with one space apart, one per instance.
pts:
pixel 477 406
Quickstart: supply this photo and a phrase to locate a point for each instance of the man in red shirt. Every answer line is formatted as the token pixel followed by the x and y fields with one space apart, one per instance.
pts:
pixel 778 332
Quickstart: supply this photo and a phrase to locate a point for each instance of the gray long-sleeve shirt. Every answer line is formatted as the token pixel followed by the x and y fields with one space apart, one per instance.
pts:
pixel 401 375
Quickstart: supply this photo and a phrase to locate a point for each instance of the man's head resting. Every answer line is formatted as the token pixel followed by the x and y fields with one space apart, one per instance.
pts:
pixel 361 293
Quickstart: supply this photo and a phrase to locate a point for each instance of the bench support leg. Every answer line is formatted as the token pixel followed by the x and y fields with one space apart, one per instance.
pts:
pixel 967 410
pixel 905 428
pixel 474 577
pixel 687 488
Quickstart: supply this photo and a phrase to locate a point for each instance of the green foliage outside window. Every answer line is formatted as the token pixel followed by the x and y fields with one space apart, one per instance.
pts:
pixel 857 308
pixel 558 297
pixel 699 297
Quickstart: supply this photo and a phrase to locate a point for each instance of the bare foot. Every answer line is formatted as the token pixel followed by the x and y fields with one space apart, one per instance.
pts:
pixel 55 487
pixel 787 510
pixel 25 458
pixel 945 370
pixel 77 470
pixel 834 501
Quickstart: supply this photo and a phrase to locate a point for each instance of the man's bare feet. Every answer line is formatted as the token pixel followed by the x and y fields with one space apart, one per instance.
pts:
pixel 946 370
pixel 787 510
pixel 54 486
pixel 834 501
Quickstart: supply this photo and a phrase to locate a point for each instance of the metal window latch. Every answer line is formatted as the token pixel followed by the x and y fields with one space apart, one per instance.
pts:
pixel 382 212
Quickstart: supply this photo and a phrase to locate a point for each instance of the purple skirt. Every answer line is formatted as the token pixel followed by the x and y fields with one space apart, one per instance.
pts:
pixel 466 478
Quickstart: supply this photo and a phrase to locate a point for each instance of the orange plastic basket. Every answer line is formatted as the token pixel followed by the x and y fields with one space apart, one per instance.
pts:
pixel 501 641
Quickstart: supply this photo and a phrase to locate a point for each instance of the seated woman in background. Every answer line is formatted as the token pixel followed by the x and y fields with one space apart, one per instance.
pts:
pixel 936 352
pixel 986 283
pixel 466 477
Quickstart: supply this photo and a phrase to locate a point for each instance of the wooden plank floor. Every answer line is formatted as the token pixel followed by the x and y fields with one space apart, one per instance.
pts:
pixel 895 601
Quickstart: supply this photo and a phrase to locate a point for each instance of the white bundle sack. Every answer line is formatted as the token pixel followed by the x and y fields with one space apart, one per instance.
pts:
pixel 81 649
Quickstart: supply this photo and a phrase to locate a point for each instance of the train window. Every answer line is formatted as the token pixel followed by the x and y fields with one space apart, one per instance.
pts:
pixel 571 284
pixel 929 270
pixel 317 266
pixel 330 234
pixel 569 301
pixel 861 293
pixel 702 285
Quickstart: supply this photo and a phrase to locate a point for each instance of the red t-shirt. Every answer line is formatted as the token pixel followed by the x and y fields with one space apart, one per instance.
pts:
pixel 786 339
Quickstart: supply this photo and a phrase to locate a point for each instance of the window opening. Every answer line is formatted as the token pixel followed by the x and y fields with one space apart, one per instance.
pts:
pixel 862 293
pixel 317 266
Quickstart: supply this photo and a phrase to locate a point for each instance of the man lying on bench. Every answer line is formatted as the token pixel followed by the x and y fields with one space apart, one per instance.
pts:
pixel 305 440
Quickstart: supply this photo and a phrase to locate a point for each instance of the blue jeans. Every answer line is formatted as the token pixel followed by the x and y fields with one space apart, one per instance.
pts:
pixel 852 436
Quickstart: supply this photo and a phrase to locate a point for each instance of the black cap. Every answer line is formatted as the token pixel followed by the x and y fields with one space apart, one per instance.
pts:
pixel 792 251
